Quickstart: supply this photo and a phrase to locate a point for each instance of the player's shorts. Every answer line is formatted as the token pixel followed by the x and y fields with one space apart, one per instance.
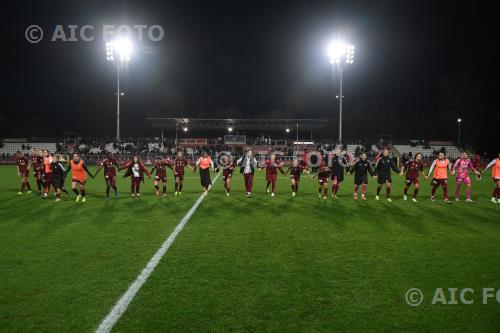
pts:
pixel 57 181
pixel 79 181
pixel 463 180
pixel 179 175
pixel 413 180
pixel 382 179
pixel 496 179
pixel 36 174
pixel 162 178
pixel 47 177
pixel 338 176
pixel 25 173
pixel 295 177
pixel 359 180
pixel 136 181
pixel 227 174
pixel 439 182
pixel 323 180
pixel 111 178
pixel 271 177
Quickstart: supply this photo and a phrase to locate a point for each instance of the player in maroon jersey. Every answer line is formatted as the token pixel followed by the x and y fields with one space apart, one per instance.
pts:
pixel 413 169
pixel 160 165
pixel 323 174
pixel 180 162
pixel 23 167
pixel 296 170
pixel 135 170
pixel 272 165
pixel 37 164
pixel 227 164
pixel 110 166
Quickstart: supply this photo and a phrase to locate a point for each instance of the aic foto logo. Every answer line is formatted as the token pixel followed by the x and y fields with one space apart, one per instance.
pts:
pixel 451 296
pixel 88 33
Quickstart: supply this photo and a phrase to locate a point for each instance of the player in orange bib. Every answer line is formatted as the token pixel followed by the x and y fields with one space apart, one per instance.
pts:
pixel 79 171
pixel 440 166
pixel 204 163
pixel 495 174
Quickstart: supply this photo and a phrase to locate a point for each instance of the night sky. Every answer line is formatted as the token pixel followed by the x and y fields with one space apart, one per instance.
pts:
pixel 419 66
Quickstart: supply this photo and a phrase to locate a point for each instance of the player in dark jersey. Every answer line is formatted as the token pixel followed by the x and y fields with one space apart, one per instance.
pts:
pixel 37 164
pixel 228 165
pixel 180 162
pixel 135 170
pixel 110 166
pixel 338 163
pixel 361 168
pixel 160 165
pixel 323 174
pixel 413 169
pixel 383 173
pixel 272 165
pixel 58 172
pixel 23 167
pixel 296 170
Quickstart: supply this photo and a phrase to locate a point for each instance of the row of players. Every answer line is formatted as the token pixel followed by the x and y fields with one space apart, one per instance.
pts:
pixel 50 171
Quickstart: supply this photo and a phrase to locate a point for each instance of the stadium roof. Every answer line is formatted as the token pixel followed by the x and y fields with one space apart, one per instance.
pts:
pixel 168 123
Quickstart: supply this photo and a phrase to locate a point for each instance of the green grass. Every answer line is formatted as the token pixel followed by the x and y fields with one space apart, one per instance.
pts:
pixel 277 264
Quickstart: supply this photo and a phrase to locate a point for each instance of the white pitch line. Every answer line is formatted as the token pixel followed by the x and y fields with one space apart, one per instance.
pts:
pixel 121 306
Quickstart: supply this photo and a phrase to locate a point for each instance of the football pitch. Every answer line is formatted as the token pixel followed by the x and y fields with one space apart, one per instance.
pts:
pixel 260 264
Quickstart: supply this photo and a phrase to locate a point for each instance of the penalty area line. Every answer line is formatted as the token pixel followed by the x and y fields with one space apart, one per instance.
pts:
pixel 122 304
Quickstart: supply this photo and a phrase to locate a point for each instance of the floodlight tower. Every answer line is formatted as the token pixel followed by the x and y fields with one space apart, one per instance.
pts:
pixel 341 55
pixel 118 52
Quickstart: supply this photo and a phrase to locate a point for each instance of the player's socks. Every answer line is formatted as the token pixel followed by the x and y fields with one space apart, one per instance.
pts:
pixel 445 192
pixel 293 187
pixel 107 191
pixel 363 189
pixel 407 187
pixel 457 190
pixel 433 191
pixel 356 187
pixel 468 193
pixel 273 187
pixel 388 192
pixel 296 188
pixel 325 192
pixel 83 193
pixel 164 189
pixel 180 188
pixel 76 191
pixel 176 187
pixel 22 188
pixel 65 191
pixel 415 192
pixel 379 187
pixel 28 186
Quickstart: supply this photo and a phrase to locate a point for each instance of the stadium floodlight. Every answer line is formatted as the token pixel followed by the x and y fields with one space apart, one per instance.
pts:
pixel 459 121
pixel 118 52
pixel 229 129
pixel 185 129
pixel 340 54
pixel 287 130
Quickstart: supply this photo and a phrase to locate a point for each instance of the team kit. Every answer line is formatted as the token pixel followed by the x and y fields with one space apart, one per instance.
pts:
pixel 50 171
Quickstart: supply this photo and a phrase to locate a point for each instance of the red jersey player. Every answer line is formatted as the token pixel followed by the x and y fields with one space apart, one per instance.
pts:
pixel 296 170
pixel 180 162
pixel 413 169
pixel 135 170
pixel 227 164
pixel 323 175
pixel 272 165
pixel 37 163
pixel 110 166
pixel 160 165
pixel 23 167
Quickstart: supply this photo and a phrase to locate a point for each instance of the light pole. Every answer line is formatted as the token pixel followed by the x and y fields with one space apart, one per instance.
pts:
pixel 341 54
pixel 459 121
pixel 118 52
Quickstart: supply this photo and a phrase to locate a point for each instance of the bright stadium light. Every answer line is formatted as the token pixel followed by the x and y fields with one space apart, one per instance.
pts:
pixel 185 129
pixel 118 52
pixel 459 121
pixel 229 129
pixel 288 130
pixel 341 54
